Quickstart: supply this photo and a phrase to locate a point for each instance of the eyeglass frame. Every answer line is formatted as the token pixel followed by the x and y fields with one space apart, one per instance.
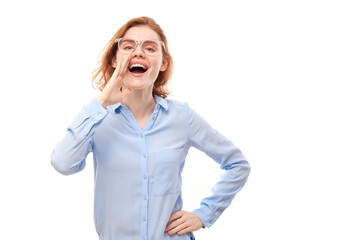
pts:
pixel 141 43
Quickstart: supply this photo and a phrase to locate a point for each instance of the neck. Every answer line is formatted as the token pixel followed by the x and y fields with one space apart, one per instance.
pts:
pixel 140 102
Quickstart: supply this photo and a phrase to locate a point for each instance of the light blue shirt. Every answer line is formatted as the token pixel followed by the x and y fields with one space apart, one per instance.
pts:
pixel 138 171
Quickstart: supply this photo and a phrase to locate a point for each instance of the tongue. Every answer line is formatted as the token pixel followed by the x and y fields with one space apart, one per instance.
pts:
pixel 137 70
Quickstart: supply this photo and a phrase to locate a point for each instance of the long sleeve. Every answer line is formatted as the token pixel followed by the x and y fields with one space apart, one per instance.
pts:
pixel 203 137
pixel 68 156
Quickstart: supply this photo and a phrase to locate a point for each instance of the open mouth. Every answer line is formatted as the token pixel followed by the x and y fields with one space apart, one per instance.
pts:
pixel 137 68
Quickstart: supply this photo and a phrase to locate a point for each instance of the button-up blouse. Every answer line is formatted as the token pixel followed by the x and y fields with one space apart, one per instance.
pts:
pixel 137 171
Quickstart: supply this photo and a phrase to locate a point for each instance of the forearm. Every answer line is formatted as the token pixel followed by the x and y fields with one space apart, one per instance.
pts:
pixel 224 191
pixel 224 152
pixel 70 153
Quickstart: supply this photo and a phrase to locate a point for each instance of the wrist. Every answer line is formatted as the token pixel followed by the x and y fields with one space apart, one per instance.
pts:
pixel 102 101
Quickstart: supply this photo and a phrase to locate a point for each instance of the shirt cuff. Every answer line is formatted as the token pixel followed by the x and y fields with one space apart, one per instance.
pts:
pixel 95 107
pixel 206 220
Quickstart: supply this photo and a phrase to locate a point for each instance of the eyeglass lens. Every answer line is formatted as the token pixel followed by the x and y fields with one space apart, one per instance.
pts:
pixel 127 46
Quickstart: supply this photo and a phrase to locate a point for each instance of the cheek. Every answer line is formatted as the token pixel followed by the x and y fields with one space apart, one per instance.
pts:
pixel 155 70
pixel 156 65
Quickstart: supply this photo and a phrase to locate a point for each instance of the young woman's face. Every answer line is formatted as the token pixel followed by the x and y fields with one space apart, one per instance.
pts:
pixel 136 77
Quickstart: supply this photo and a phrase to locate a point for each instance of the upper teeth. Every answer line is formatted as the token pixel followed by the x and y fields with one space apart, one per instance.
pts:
pixel 137 65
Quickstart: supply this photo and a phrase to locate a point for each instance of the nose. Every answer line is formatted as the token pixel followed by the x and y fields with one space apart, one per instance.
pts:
pixel 138 51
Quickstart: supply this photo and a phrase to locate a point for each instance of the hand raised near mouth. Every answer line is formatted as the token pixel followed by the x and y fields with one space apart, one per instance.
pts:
pixel 115 91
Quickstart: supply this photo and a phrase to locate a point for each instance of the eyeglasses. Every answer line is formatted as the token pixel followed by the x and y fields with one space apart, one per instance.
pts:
pixel 150 47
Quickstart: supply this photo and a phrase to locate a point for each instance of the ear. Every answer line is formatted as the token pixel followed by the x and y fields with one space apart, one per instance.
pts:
pixel 164 64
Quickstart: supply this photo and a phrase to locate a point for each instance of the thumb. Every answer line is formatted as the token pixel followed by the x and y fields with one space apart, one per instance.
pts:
pixel 125 91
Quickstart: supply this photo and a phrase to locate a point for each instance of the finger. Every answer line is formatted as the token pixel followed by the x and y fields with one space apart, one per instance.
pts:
pixel 122 65
pixel 185 230
pixel 174 224
pixel 178 228
pixel 123 68
pixel 175 216
pixel 119 70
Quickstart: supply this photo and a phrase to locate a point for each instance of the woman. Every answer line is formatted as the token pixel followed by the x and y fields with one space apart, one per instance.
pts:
pixel 139 141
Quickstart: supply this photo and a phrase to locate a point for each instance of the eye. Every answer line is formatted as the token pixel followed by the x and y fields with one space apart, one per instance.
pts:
pixel 150 46
pixel 127 47
pixel 149 49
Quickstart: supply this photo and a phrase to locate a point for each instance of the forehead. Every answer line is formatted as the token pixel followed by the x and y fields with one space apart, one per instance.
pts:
pixel 141 33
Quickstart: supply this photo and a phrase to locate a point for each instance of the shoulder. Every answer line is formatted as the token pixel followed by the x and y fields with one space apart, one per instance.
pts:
pixel 177 105
pixel 172 105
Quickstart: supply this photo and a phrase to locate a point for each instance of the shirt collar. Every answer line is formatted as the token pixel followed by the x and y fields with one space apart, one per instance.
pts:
pixel 159 101
pixel 162 102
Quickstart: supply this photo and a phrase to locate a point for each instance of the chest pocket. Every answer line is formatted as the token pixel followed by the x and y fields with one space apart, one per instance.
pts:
pixel 167 176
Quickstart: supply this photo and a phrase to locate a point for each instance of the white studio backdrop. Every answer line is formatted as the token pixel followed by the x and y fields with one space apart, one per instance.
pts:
pixel 278 78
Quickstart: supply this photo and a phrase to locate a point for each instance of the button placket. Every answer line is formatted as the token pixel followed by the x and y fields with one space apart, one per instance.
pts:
pixel 145 182
pixel 152 119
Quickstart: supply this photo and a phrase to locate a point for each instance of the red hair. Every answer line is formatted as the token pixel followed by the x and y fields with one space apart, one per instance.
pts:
pixel 104 71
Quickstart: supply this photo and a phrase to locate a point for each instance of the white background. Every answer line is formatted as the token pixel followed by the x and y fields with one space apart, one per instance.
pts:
pixel 278 78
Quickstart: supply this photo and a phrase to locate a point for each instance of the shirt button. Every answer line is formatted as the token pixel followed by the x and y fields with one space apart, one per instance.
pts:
pixel 144 219
pixel 144 176
pixel 144 197
pixel 157 106
pixel 144 155
pixel 153 118
pixel 141 135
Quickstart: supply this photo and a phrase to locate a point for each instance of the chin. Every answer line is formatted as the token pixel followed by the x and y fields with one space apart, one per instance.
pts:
pixel 136 84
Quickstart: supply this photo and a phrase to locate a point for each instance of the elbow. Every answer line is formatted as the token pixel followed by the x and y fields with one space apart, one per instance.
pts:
pixel 247 168
pixel 240 170
pixel 59 168
pixel 241 165
pixel 59 163
pixel 244 169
